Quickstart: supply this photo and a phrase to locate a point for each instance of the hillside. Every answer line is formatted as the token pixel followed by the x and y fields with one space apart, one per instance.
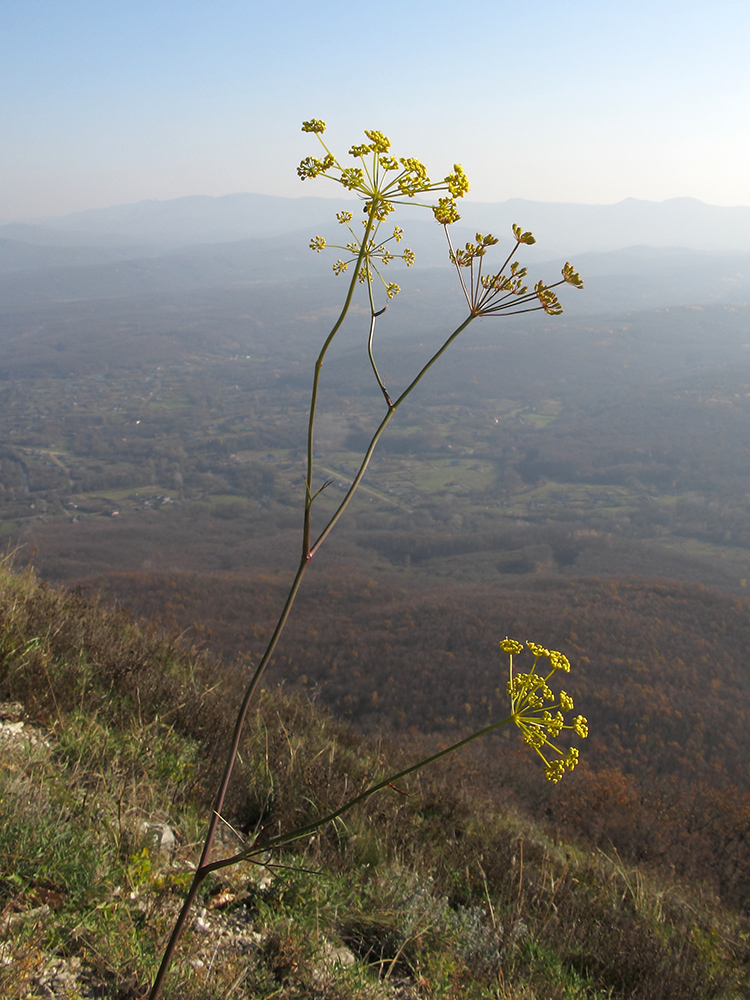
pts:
pixel 579 481
pixel 436 888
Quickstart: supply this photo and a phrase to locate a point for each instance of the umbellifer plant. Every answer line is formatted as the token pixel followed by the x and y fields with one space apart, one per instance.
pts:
pixel 383 181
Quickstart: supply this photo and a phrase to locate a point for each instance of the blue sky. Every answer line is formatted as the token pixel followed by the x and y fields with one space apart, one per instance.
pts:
pixel 108 102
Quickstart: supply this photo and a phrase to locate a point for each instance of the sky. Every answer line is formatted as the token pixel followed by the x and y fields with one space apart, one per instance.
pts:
pixel 107 102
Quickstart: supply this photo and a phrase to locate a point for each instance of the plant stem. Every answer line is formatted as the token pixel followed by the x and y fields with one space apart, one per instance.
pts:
pixel 306 555
pixel 379 432
pixel 373 320
pixel 287 838
pixel 205 866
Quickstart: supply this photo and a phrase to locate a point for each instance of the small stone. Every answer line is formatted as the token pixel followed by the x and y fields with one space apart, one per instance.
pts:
pixel 333 958
pixel 161 835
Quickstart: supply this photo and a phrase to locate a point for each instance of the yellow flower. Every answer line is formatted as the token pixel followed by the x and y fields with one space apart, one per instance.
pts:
pixel 382 181
pixel 501 293
pixel 309 167
pixel 554 771
pixel 375 181
pixel 547 299
pixel 458 182
pixel 532 705
pixel 380 209
pixel 522 237
pixel 445 211
pixel 380 143
pixel 559 662
pixel 572 276
pixel 352 178
pixel 537 650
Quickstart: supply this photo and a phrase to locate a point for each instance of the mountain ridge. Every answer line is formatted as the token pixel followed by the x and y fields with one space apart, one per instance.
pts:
pixel 245 215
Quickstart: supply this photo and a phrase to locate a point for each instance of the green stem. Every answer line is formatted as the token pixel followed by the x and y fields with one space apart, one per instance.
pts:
pixel 379 432
pixel 306 554
pixel 435 357
pixel 204 866
pixel 373 320
pixel 302 831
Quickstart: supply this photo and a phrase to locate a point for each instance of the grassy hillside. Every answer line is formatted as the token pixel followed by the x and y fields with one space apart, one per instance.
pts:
pixel 434 889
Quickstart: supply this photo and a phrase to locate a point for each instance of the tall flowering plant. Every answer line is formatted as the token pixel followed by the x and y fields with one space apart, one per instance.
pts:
pixel 384 181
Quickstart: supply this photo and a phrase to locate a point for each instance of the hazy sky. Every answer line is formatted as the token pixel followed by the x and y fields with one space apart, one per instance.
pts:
pixel 112 101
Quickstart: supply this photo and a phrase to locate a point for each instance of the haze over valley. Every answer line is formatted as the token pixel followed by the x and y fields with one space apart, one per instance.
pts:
pixel 155 380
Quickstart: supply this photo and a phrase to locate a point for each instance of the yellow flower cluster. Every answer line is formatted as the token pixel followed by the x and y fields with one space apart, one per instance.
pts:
pixel 377 254
pixel 505 291
pixel 547 299
pixel 371 180
pixel 382 181
pixel 529 694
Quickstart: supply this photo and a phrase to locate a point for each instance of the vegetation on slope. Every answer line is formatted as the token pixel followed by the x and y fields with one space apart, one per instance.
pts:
pixel 432 890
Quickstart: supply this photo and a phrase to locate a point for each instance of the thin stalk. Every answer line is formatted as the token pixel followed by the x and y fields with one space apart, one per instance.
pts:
pixel 435 357
pixel 303 831
pixel 373 320
pixel 204 868
pixel 316 382
pixel 379 432
pixel 355 482
pixel 469 303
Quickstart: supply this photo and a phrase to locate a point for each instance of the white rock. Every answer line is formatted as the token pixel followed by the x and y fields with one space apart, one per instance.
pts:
pixel 333 958
pixel 162 835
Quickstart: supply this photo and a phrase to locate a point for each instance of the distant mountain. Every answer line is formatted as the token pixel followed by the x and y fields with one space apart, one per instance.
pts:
pixel 634 278
pixel 633 255
pixel 195 219
pixel 560 228
pixel 575 229
pixel 17 256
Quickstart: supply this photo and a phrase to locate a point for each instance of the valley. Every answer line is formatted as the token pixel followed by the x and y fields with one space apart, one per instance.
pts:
pixel 579 480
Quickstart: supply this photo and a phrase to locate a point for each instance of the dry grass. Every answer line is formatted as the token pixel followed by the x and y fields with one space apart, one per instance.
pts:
pixel 430 890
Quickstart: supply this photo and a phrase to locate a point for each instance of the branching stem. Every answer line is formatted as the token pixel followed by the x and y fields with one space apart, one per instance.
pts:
pixel 381 196
pixel 205 865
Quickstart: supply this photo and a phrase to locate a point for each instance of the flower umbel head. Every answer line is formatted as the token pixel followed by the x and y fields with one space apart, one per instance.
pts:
pixel 375 255
pixel 382 181
pixel 380 178
pixel 504 291
pixel 538 712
